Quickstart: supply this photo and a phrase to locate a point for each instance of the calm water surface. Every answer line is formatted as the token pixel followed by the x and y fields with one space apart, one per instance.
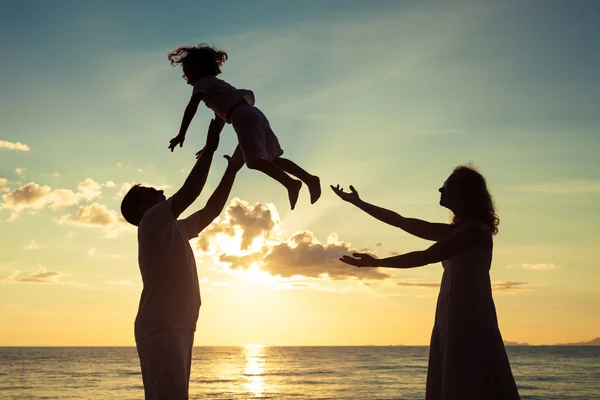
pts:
pixel 257 372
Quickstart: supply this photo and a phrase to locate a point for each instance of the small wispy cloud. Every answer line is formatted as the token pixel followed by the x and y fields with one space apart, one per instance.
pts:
pixel 97 215
pixel 510 286
pixel 18 146
pixel 536 267
pixel 4 185
pixel 41 275
pixel 33 245
pixel 429 285
pixel 500 286
pixel 563 187
pixel 540 266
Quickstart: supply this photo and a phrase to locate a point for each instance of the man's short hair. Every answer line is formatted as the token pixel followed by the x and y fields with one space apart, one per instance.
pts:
pixel 130 206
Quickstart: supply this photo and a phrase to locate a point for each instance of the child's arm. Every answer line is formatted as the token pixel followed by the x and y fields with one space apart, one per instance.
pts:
pixel 188 116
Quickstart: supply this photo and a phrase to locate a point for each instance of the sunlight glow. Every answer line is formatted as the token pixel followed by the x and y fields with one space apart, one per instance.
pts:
pixel 254 273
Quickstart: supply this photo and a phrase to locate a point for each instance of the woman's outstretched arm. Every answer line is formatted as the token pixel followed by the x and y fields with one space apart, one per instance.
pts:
pixel 423 229
pixel 472 235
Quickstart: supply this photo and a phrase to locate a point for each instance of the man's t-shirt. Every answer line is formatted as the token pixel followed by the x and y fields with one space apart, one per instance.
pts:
pixel 171 295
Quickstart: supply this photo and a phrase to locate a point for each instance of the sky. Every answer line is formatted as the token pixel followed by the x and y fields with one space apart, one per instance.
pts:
pixel 388 96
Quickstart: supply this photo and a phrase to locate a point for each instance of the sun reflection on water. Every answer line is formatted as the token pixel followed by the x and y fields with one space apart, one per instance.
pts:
pixel 255 361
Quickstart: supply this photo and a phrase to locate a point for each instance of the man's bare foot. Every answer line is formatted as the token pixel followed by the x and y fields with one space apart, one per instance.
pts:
pixel 314 187
pixel 294 192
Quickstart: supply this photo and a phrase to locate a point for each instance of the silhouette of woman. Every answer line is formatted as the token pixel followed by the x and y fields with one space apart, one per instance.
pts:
pixel 467 358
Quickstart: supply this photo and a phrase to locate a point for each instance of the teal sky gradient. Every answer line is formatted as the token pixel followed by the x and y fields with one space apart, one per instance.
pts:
pixel 388 96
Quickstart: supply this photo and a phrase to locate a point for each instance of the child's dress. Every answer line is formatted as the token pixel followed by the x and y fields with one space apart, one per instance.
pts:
pixel 255 137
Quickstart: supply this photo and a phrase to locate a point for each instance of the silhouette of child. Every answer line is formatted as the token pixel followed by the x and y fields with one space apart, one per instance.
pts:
pixel 257 142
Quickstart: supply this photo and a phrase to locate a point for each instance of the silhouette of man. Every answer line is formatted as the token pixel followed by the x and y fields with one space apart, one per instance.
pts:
pixel 170 301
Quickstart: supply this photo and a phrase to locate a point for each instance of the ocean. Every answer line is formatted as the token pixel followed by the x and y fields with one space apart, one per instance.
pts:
pixel 259 372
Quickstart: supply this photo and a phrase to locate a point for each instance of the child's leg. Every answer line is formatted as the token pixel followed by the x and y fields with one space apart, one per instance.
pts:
pixel 269 168
pixel 312 181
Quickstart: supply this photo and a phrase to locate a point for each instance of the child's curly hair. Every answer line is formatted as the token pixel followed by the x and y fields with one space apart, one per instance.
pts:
pixel 205 59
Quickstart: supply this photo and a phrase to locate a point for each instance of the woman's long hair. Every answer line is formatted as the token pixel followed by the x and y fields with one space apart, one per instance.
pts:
pixel 479 201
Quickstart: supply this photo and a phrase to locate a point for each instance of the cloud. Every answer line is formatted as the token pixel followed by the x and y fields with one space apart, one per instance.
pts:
pixel 252 221
pixel 302 254
pixel 5 144
pixel 540 266
pixel 564 187
pixel 40 276
pixel 510 286
pixel 89 189
pixel 248 238
pixel 125 186
pixel 429 285
pixel 33 246
pixel 500 286
pixel 4 185
pixel 19 171
pixel 96 215
pixel 35 197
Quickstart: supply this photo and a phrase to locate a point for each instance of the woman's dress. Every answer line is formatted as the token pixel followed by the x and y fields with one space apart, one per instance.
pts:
pixel 467 358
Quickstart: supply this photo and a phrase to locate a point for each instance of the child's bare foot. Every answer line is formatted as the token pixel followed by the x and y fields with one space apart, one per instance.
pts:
pixel 294 192
pixel 314 187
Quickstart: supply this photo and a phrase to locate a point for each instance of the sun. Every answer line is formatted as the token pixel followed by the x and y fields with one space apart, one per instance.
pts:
pixel 254 273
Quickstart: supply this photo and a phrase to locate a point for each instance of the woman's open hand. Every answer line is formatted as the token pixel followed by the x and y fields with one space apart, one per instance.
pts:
pixel 351 197
pixel 360 260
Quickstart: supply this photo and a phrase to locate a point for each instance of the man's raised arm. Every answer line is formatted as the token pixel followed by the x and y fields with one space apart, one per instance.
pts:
pixel 195 223
pixel 195 181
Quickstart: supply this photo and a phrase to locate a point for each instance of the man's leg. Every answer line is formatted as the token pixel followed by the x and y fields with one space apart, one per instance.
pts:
pixel 165 358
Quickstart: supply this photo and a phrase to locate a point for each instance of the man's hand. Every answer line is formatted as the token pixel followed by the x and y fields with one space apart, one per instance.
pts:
pixel 351 197
pixel 177 140
pixel 214 131
pixel 360 260
pixel 212 137
pixel 236 161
